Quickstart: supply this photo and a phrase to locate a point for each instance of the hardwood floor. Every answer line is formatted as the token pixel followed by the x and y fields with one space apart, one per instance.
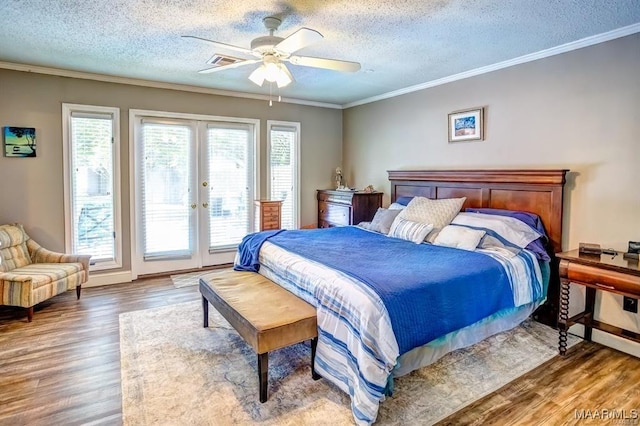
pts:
pixel 64 367
pixel 590 378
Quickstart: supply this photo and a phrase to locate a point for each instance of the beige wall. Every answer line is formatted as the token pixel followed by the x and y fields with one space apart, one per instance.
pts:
pixel 579 111
pixel 31 189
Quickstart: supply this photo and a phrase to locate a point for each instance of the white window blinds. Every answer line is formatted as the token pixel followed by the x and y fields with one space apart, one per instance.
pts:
pixel 283 171
pixel 165 189
pixel 91 181
pixel 230 181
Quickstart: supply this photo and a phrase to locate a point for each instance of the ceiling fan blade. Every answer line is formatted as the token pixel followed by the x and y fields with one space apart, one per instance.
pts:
pixel 296 41
pixel 228 67
pixel 330 64
pixel 223 45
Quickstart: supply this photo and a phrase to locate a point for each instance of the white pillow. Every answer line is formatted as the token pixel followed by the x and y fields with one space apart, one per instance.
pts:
pixel 459 237
pixel 396 206
pixel 509 229
pixel 438 213
pixel 409 230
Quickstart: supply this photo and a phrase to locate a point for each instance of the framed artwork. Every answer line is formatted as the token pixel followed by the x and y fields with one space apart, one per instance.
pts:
pixel 19 141
pixel 467 125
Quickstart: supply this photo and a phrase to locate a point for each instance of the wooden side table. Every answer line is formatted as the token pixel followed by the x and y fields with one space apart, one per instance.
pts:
pixel 268 214
pixel 606 272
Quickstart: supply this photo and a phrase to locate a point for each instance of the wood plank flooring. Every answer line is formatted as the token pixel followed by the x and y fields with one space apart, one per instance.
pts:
pixel 64 367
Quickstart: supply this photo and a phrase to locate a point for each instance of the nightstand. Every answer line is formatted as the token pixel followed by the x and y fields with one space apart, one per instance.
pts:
pixel 268 214
pixel 604 272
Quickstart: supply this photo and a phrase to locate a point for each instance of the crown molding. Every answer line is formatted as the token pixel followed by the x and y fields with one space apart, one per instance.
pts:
pixel 155 84
pixel 557 50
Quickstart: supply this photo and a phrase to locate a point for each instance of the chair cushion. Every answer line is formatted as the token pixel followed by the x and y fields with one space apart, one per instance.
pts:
pixel 13 247
pixel 41 273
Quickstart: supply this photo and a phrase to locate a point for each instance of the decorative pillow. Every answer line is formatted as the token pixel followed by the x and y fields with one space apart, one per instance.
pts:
pixel 438 213
pixel 508 230
pixel 531 219
pixel 383 220
pixel 409 230
pixel 459 237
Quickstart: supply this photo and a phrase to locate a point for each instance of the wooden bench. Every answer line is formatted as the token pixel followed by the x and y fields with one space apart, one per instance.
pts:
pixel 267 316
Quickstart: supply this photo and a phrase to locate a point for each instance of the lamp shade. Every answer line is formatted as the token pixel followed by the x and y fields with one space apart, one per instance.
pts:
pixel 258 75
pixel 284 76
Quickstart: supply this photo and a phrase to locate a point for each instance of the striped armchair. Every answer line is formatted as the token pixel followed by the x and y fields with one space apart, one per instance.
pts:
pixel 30 274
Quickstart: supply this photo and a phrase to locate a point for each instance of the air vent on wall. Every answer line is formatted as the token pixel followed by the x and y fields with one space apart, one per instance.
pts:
pixel 219 60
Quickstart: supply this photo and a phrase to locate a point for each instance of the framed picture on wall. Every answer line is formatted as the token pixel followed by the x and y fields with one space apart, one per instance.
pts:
pixel 466 125
pixel 19 141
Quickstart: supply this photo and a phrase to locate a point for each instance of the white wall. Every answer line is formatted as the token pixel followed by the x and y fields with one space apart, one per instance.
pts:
pixel 579 111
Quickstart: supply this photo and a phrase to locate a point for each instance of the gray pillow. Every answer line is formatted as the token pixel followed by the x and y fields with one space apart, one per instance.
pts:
pixel 383 219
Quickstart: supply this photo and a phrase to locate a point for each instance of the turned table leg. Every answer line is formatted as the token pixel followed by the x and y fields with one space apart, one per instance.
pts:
pixel 563 316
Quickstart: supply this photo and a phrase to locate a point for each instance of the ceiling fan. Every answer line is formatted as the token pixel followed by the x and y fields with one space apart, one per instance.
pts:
pixel 273 51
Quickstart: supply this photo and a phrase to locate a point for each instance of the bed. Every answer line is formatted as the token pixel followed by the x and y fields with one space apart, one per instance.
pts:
pixel 372 316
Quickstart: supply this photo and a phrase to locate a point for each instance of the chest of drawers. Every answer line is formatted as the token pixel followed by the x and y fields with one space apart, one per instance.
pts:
pixel 339 208
pixel 268 214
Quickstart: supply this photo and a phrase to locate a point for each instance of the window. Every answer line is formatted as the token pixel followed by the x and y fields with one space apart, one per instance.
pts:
pixel 284 164
pixel 91 176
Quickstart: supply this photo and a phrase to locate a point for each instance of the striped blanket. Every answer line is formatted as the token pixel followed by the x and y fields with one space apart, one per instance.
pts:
pixel 357 348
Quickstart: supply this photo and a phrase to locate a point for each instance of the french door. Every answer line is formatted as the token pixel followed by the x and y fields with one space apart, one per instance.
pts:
pixel 195 181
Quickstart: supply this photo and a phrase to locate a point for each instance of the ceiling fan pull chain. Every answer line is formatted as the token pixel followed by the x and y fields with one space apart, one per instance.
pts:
pixel 270 94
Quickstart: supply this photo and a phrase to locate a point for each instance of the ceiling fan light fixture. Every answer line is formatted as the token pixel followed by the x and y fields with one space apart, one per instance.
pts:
pixel 271 71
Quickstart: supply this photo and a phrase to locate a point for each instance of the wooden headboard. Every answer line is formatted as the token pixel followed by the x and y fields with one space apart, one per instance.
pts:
pixel 534 191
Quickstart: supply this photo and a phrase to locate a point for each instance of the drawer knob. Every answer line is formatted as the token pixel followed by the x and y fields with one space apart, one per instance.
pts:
pixel 321 211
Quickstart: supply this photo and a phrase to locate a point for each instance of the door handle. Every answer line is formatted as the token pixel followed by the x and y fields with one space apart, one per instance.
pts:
pixel 194 205
pixel 205 183
pixel 205 205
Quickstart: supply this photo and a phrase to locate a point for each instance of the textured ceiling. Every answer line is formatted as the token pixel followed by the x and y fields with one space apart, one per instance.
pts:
pixel 399 43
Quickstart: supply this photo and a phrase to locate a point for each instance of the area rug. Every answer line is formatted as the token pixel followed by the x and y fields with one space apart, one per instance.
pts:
pixel 174 371
pixel 192 278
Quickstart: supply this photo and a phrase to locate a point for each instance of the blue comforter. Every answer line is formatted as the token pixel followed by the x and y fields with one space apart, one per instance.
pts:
pixel 455 288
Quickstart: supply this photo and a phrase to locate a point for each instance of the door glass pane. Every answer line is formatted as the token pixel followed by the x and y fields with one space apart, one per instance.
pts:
pixel 92 187
pixel 230 172
pixel 166 172
pixel 283 171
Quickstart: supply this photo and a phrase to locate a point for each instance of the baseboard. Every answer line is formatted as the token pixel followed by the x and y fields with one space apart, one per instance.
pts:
pixel 108 279
pixel 606 339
